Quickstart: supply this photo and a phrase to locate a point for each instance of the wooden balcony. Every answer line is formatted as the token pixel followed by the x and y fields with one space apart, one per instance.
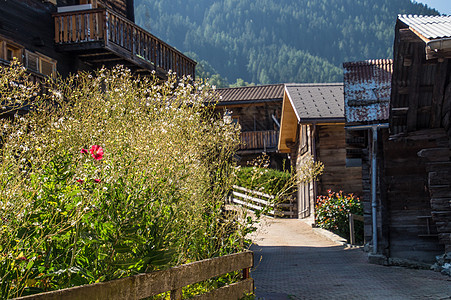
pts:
pixel 258 141
pixel 100 37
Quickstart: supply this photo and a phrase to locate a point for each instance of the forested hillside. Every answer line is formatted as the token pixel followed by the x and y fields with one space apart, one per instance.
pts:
pixel 273 41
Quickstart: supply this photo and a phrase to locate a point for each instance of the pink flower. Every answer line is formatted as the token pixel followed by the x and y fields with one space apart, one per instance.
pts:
pixel 80 180
pixel 96 180
pixel 96 152
pixel 84 151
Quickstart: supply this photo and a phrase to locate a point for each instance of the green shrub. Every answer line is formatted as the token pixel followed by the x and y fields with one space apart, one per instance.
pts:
pixel 332 213
pixel 265 180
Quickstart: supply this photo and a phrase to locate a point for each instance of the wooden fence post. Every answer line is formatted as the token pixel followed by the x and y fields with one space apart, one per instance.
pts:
pixel 246 274
pixel 176 294
pixel 351 229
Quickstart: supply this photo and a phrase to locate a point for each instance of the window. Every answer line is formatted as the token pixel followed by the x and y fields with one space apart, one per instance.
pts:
pixel 10 50
pixel 40 63
pixel 35 62
pixel 47 66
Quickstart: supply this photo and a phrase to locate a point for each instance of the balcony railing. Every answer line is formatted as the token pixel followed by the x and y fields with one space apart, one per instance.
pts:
pixel 253 140
pixel 88 29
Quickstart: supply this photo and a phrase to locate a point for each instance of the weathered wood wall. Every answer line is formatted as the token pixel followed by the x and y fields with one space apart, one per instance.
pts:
pixel 305 148
pixel 331 151
pixel 255 116
pixel 405 181
pixel 420 110
pixel 325 143
pixel 123 7
pixel 30 24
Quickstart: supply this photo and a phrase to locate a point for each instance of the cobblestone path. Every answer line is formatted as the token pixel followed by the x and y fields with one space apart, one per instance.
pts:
pixel 293 262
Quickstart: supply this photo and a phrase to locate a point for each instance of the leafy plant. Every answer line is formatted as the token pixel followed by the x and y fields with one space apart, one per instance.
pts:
pixel 266 180
pixel 332 213
pixel 110 175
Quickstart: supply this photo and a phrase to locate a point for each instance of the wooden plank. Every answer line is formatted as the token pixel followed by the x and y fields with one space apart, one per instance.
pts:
pixel 74 29
pixel 83 32
pixel 414 93
pixel 176 294
pixel 438 94
pixel 100 25
pixel 92 33
pixel 57 29
pixel 238 201
pixel 247 197
pixel 233 291
pixel 150 284
pixel 435 154
pixel 286 213
pixel 65 28
pixel 253 192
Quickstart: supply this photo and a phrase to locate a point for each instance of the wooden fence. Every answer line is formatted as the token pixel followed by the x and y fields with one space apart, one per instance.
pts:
pixel 259 139
pixel 255 200
pixel 173 280
pixel 353 217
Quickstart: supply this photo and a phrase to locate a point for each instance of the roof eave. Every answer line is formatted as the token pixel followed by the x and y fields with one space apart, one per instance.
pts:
pixel 321 120
pixel 238 102
pixel 438 48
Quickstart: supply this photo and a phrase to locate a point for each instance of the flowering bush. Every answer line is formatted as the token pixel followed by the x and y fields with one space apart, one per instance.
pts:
pixel 108 176
pixel 332 213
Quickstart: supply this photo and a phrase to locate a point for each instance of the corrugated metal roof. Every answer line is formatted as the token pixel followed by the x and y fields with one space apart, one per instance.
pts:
pixel 367 89
pixel 430 27
pixel 317 101
pixel 249 94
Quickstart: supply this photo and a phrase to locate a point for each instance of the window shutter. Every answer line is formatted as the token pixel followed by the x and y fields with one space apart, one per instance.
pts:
pixel 47 68
pixel 31 61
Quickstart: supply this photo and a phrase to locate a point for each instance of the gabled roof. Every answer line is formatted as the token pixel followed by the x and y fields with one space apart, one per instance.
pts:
pixel 316 101
pixel 309 103
pixel 249 94
pixel 367 89
pixel 434 31
pixel 429 27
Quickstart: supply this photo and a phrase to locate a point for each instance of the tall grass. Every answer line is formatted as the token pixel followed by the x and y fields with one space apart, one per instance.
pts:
pixel 153 199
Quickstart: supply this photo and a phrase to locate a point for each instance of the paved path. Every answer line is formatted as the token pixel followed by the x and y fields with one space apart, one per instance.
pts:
pixel 293 262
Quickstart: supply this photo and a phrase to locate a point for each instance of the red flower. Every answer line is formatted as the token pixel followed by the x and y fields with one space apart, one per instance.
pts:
pixel 96 152
pixel 84 151
pixel 80 180
pixel 96 180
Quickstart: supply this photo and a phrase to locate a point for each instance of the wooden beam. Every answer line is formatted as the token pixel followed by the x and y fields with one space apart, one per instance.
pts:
pixel 94 54
pixel 417 33
pixel 400 109
pixel 150 284
pixel 106 60
pixel 438 94
pixel 414 89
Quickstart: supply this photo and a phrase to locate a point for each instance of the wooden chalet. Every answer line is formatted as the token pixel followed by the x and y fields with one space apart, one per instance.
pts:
pixel 415 173
pixel 257 109
pixel 313 126
pixel 367 90
pixel 65 36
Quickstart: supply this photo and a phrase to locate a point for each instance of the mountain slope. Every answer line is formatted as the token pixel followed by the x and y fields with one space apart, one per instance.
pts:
pixel 270 41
